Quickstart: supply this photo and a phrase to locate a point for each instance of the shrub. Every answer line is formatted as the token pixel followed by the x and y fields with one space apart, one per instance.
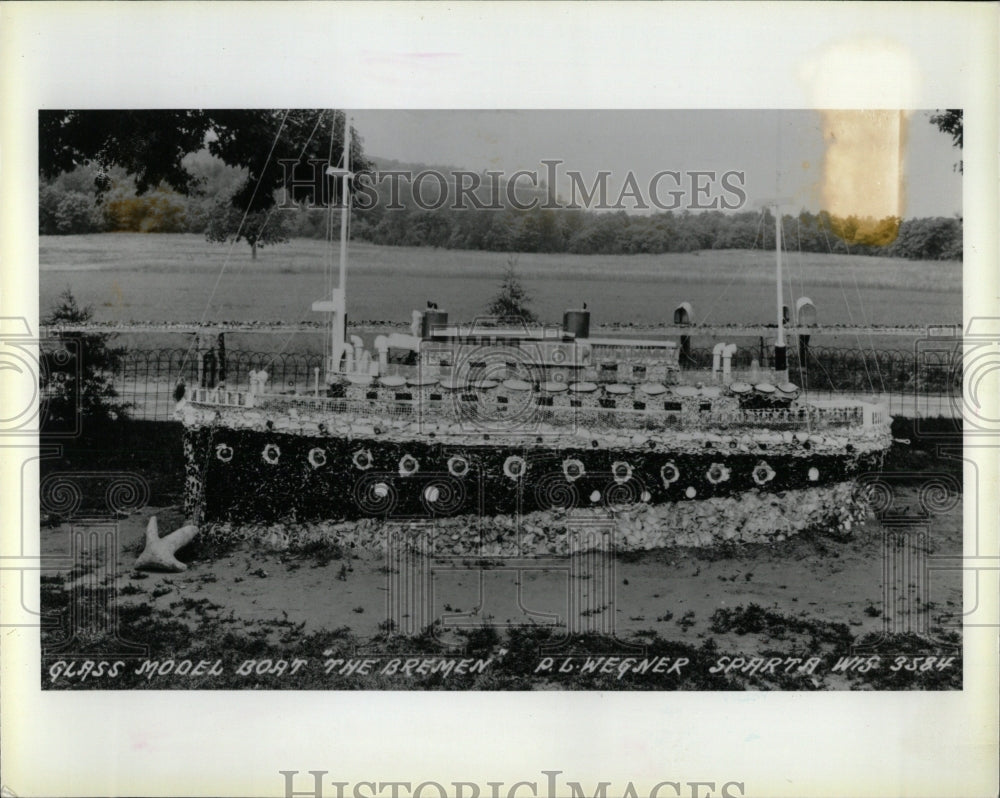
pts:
pixel 75 213
pixel 81 384
pixel 160 211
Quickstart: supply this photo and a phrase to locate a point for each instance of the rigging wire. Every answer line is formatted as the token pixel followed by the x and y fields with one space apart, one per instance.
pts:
pixel 328 254
pixel 801 258
pixel 256 188
pixel 328 250
pixel 803 368
pixel 864 320
pixel 788 276
pixel 273 208
pixel 850 315
pixel 232 246
pixel 327 350
pixel 871 340
pixel 803 362
pixel 289 337
pixel 743 265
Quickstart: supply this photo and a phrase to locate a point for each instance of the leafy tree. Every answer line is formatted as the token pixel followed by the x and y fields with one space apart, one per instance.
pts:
pixel 511 301
pixel 66 213
pixel 213 179
pixel 149 144
pixel 76 378
pixel 950 121
pixel 48 205
pixel 76 213
pixel 227 222
pixel 937 238
pixel 153 145
pixel 499 236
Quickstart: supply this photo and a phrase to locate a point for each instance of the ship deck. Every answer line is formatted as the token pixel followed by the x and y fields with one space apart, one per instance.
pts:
pixel 689 414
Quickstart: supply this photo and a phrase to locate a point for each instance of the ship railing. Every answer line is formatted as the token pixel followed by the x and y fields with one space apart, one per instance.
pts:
pixel 356 407
pixel 818 416
pixel 876 415
pixel 869 414
pixel 221 396
pixel 772 419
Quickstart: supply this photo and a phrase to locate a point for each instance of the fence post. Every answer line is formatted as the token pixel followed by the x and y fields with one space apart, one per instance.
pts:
pixel 222 356
pixel 209 367
pixel 198 346
pixel 803 349
pixel 686 361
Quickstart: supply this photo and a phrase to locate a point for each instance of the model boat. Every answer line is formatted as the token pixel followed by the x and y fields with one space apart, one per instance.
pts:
pixel 498 419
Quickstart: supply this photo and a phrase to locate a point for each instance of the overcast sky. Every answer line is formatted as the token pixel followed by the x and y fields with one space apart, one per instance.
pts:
pixel 864 162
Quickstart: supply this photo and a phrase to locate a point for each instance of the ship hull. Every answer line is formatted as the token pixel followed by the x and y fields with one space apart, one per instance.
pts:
pixel 250 476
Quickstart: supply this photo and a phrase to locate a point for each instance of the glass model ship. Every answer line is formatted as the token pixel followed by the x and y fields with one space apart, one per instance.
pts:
pixel 492 418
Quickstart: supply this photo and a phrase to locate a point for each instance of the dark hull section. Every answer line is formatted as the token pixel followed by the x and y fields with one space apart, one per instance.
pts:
pixel 242 475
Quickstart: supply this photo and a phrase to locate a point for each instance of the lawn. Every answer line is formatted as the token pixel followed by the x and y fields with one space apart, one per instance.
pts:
pixel 146 277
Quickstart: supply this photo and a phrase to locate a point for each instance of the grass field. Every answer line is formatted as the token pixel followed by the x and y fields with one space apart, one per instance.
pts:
pixel 146 277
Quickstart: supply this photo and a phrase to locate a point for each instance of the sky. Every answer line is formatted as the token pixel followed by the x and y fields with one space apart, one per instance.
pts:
pixel 867 163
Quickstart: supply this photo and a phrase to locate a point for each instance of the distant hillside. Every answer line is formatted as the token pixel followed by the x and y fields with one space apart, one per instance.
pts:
pixel 69 205
pixel 383 164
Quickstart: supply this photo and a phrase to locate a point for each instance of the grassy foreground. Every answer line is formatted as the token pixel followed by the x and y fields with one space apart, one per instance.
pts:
pixel 197 632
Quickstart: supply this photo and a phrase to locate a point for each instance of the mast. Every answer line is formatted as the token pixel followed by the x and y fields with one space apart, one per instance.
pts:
pixel 345 198
pixel 780 351
pixel 336 305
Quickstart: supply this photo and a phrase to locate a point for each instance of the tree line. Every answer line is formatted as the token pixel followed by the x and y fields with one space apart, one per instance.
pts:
pixel 202 171
pixel 620 233
pixel 68 204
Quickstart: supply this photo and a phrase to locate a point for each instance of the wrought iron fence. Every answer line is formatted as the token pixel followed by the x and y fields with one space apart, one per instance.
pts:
pixel 927 383
pixel 837 369
pixel 147 379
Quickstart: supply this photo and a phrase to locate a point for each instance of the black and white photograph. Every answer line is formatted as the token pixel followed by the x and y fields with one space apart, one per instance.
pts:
pixel 346 420
pixel 493 400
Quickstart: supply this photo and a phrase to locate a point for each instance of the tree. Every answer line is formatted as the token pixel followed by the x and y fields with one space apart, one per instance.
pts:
pixel 950 121
pixel 76 213
pixel 49 198
pixel 148 144
pixel 62 212
pixel 279 154
pixel 511 301
pixel 258 228
pixel 76 377
pixel 153 146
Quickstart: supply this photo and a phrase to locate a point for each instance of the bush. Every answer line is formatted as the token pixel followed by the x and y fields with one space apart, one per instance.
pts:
pixel 160 211
pixel 82 383
pixel 70 214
